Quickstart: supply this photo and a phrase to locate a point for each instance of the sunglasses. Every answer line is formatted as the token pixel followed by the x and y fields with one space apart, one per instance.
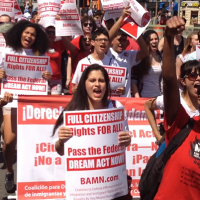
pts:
pixel 86 24
pixel 51 32
pixel 192 76
pixel 87 39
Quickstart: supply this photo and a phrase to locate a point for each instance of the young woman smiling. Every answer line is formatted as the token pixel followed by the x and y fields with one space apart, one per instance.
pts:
pixel 24 38
pixel 147 75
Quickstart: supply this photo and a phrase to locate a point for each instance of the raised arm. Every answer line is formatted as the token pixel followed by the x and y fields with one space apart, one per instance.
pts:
pixel 170 85
pixel 161 44
pixel 117 25
pixel 150 106
pixel 143 52
pixel 69 46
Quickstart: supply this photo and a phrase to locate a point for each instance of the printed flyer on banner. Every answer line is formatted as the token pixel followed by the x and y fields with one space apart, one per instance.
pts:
pixel 24 74
pixel 117 76
pixel 48 10
pixel 112 8
pixel 7 7
pixel 44 175
pixel 95 163
pixel 69 22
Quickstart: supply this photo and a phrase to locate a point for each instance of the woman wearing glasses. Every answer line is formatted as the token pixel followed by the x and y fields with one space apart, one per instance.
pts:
pixel 88 27
pixel 181 174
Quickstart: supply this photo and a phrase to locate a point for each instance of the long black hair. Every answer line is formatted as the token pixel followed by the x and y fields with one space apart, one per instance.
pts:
pixel 145 64
pixel 13 37
pixel 80 98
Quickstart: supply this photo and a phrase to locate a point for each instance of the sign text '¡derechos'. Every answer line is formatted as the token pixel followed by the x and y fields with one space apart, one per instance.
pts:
pixel 30 112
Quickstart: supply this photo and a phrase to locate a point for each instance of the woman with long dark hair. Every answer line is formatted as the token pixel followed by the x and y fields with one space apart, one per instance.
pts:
pixel 92 93
pixel 24 38
pixel 147 74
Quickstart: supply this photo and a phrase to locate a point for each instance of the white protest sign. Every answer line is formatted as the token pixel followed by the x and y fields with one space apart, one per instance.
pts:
pixel 93 156
pixel 69 22
pixel 130 27
pixel 117 76
pixel 112 8
pixel 7 7
pixel 138 13
pixel 48 10
pixel 2 46
pixel 198 52
pixel 24 74
pixel 18 12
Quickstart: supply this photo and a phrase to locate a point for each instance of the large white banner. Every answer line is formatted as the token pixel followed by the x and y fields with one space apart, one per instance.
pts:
pixel 93 156
pixel 69 22
pixel 24 74
pixel 44 175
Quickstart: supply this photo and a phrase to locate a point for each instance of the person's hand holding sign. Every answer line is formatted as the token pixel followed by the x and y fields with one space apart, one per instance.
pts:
pixel 124 138
pixel 126 12
pixel 64 134
pixel 121 90
pixel 46 75
pixel 7 98
pixel 2 74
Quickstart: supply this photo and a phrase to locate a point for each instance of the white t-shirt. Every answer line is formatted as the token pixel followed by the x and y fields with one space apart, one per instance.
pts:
pixel 191 113
pixel 192 56
pixel 151 82
pixel 89 60
pixel 183 58
pixel 125 59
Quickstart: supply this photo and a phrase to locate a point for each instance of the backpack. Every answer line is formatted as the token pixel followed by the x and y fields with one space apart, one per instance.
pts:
pixel 153 172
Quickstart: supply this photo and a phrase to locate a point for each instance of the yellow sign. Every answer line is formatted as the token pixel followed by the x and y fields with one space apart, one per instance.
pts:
pixel 190 3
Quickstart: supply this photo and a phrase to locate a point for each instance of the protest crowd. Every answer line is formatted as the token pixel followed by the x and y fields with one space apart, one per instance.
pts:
pixel 98 57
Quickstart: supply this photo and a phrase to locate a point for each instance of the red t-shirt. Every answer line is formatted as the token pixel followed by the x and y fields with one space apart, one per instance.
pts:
pixel 55 59
pixel 132 45
pixel 181 176
pixel 76 57
pixel 75 42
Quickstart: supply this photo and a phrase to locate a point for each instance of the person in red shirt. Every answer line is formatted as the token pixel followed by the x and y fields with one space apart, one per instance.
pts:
pixel 76 56
pixel 55 51
pixel 88 26
pixel 181 176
